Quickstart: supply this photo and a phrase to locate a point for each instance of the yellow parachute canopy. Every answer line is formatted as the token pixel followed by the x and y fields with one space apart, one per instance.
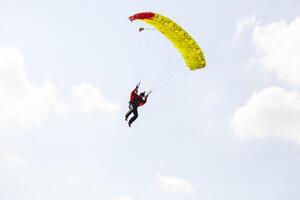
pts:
pixel 187 46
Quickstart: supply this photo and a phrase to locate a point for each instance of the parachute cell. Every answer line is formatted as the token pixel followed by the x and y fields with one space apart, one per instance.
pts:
pixel 187 46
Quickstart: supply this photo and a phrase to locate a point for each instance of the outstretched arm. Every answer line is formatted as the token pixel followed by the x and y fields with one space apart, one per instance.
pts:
pixel 136 88
pixel 134 92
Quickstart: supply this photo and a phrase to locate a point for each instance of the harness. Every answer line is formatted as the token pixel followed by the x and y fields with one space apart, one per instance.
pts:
pixel 130 105
pixel 135 102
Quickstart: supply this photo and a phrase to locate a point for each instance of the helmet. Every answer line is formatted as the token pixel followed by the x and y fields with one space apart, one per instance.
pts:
pixel 142 94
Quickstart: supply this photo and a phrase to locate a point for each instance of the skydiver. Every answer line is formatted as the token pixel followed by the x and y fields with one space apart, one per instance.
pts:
pixel 136 100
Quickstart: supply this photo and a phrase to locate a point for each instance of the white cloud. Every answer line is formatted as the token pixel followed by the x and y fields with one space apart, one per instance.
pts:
pixel 243 24
pixel 11 161
pixel 22 104
pixel 90 98
pixel 124 198
pixel 22 177
pixel 278 45
pixel 272 112
pixel 75 180
pixel 174 185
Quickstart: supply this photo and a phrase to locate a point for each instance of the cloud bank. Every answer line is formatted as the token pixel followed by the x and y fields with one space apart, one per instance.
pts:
pixel 243 24
pixel 124 198
pixel 174 185
pixel 22 104
pixel 25 105
pixel 90 98
pixel 272 112
pixel 278 45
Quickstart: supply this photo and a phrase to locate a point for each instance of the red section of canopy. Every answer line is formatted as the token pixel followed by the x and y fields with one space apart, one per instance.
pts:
pixel 143 15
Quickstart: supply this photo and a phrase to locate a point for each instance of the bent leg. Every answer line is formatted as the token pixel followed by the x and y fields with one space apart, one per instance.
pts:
pixel 129 112
pixel 135 116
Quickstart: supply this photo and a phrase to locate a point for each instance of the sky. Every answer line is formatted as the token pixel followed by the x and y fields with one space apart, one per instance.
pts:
pixel 229 131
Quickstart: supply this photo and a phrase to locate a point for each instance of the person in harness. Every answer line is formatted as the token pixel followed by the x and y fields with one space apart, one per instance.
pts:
pixel 136 100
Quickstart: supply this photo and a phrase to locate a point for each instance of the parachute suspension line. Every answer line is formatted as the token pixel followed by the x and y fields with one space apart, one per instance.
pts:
pixel 171 71
pixel 145 45
pixel 142 51
pixel 136 54
pixel 140 55
pixel 170 81
pixel 168 67
pixel 147 51
pixel 167 72
pixel 132 53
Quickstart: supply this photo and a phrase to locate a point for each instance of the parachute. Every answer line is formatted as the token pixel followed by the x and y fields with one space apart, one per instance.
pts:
pixel 186 45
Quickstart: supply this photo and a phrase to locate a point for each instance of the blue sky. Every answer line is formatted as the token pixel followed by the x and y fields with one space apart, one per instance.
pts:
pixel 229 131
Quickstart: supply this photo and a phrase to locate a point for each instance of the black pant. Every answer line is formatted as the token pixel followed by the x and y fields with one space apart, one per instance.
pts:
pixel 132 109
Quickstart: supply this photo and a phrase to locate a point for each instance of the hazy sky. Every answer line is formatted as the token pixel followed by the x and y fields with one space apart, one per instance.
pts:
pixel 230 131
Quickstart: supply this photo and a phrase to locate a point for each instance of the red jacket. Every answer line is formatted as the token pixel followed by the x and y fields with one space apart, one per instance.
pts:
pixel 135 99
